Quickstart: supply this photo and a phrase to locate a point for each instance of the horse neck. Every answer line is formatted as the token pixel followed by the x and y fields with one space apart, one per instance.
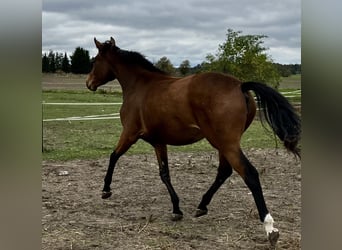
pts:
pixel 133 77
pixel 126 80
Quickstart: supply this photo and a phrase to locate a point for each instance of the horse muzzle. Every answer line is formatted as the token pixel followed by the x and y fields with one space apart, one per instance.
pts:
pixel 90 85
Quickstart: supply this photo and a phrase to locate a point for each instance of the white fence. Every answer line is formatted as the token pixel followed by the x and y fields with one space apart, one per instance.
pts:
pixel 87 117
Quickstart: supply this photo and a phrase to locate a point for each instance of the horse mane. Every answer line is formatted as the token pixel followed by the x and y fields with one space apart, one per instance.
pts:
pixel 132 57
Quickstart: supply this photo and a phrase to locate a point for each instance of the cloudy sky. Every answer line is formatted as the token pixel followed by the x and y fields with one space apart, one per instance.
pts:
pixel 178 29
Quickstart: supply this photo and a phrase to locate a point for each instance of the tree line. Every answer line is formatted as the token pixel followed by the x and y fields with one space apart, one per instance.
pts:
pixel 78 63
pixel 243 56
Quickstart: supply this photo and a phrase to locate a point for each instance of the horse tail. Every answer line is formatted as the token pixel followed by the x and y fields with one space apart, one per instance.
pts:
pixel 278 113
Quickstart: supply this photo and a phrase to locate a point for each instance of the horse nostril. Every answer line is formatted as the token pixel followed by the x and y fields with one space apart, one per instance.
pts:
pixel 88 83
pixel 90 86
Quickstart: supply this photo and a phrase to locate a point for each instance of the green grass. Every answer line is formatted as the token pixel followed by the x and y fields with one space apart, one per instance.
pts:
pixel 91 139
pixel 67 140
pixel 291 82
pixel 80 96
pixel 62 111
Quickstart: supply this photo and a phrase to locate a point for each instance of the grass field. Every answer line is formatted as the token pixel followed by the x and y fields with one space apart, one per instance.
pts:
pixel 291 82
pixel 90 139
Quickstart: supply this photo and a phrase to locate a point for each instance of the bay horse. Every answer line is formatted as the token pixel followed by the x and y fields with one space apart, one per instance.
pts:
pixel 164 110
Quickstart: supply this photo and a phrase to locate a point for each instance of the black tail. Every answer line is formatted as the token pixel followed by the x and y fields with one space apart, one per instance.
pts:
pixel 279 114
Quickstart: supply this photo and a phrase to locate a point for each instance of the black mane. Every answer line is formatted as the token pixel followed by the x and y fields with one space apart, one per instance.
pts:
pixel 132 57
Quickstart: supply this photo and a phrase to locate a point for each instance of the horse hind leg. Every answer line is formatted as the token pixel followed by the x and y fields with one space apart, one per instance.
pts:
pixel 223 172
pixel 250 175
pixel 161 153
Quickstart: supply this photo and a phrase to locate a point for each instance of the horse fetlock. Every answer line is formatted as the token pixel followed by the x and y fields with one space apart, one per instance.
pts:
pixel 176 217
pixel 201 212
pixel 106 194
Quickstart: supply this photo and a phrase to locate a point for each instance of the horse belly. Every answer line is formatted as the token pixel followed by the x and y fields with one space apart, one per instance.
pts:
pixel 184 136
pixel 175 135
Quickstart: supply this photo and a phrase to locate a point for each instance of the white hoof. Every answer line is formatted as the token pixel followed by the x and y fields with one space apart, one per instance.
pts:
pixel 272 232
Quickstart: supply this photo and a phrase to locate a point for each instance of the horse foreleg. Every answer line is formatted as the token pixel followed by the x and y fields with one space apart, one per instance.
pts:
pixel 106 193
pixel 123 145
pixel 161 152
pixel 224 171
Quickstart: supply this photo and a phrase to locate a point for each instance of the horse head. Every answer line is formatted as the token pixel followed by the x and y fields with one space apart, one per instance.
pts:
pixel 102 71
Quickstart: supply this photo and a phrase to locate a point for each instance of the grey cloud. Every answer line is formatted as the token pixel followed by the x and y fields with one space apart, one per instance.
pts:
pixel 172 28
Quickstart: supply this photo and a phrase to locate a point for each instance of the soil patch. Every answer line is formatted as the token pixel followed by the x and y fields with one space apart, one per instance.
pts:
pixel 137 216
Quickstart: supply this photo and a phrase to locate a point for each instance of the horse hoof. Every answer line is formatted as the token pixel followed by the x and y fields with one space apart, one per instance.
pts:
pixel 106 195
pixel 273 237
pixel 201 212
pixel 176 217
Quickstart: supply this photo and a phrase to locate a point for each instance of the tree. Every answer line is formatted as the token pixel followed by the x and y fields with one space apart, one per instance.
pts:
pixel 244 57
pixel 45 63
pixel 211 63
pixel 197 69
pixel 286 70
pixel 184 67
pixel 65 64
pixel 165 65
pixel 80 61
pixel 52 62
pixel 58 61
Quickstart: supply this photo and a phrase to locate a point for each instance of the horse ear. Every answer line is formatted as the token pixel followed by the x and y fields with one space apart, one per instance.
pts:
pixel 98 44
pixel 112 41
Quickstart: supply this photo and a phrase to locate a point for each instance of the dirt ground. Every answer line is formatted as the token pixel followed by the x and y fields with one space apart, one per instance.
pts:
pixel 137 216
pixel 72 82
